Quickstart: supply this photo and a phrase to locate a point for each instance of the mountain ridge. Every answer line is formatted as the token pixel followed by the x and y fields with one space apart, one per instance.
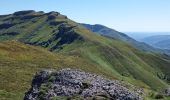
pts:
pixel 111 33
pixel 158 41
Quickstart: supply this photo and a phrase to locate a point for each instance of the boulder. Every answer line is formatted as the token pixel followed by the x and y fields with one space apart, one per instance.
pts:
pixel 167 92
pixel 71 83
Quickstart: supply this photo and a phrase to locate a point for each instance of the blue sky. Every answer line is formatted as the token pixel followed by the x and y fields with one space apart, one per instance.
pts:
pixel 122 15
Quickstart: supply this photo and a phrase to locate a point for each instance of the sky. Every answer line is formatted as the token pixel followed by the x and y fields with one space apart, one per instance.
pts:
pixel 122 15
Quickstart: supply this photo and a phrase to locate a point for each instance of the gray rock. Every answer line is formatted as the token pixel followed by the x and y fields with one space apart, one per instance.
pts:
pixel 167 92
pixel 69 83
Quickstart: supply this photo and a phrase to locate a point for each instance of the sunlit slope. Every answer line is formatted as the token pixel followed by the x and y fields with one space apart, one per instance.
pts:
pixel 121 58
pixel 19 62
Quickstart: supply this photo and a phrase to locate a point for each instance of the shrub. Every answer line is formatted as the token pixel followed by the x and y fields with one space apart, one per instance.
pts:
pixel 159 96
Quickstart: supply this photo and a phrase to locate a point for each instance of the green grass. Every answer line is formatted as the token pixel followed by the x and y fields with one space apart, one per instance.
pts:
pixel 19 63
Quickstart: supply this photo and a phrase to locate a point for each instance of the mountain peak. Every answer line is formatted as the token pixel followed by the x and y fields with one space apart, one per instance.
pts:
pixel 53 13
pixel 25 12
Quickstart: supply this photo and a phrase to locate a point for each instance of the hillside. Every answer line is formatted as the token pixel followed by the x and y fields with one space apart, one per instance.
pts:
pixel 19 62
pixel 158 41
pixel 108 32
pixel 72 45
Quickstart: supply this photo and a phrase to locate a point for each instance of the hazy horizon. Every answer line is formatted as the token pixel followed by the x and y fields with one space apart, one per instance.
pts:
pixel 141 35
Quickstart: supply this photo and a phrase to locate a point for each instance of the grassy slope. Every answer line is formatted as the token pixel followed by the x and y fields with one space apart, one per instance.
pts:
pixel 111 33
pixel 124 59
pixel 110 57
pixel 19 62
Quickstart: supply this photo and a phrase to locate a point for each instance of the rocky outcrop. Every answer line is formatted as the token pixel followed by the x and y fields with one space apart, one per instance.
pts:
pixel 6 25
pixel 53 15
pixel 9 33
pixel 21 13
pixel 65 35
pixel 69 83
pixel 167 92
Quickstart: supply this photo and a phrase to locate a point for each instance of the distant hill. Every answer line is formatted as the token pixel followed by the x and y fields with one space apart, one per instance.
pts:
pixel 31 41
pixel 158 41
pixel 103 30
pixel 108 32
